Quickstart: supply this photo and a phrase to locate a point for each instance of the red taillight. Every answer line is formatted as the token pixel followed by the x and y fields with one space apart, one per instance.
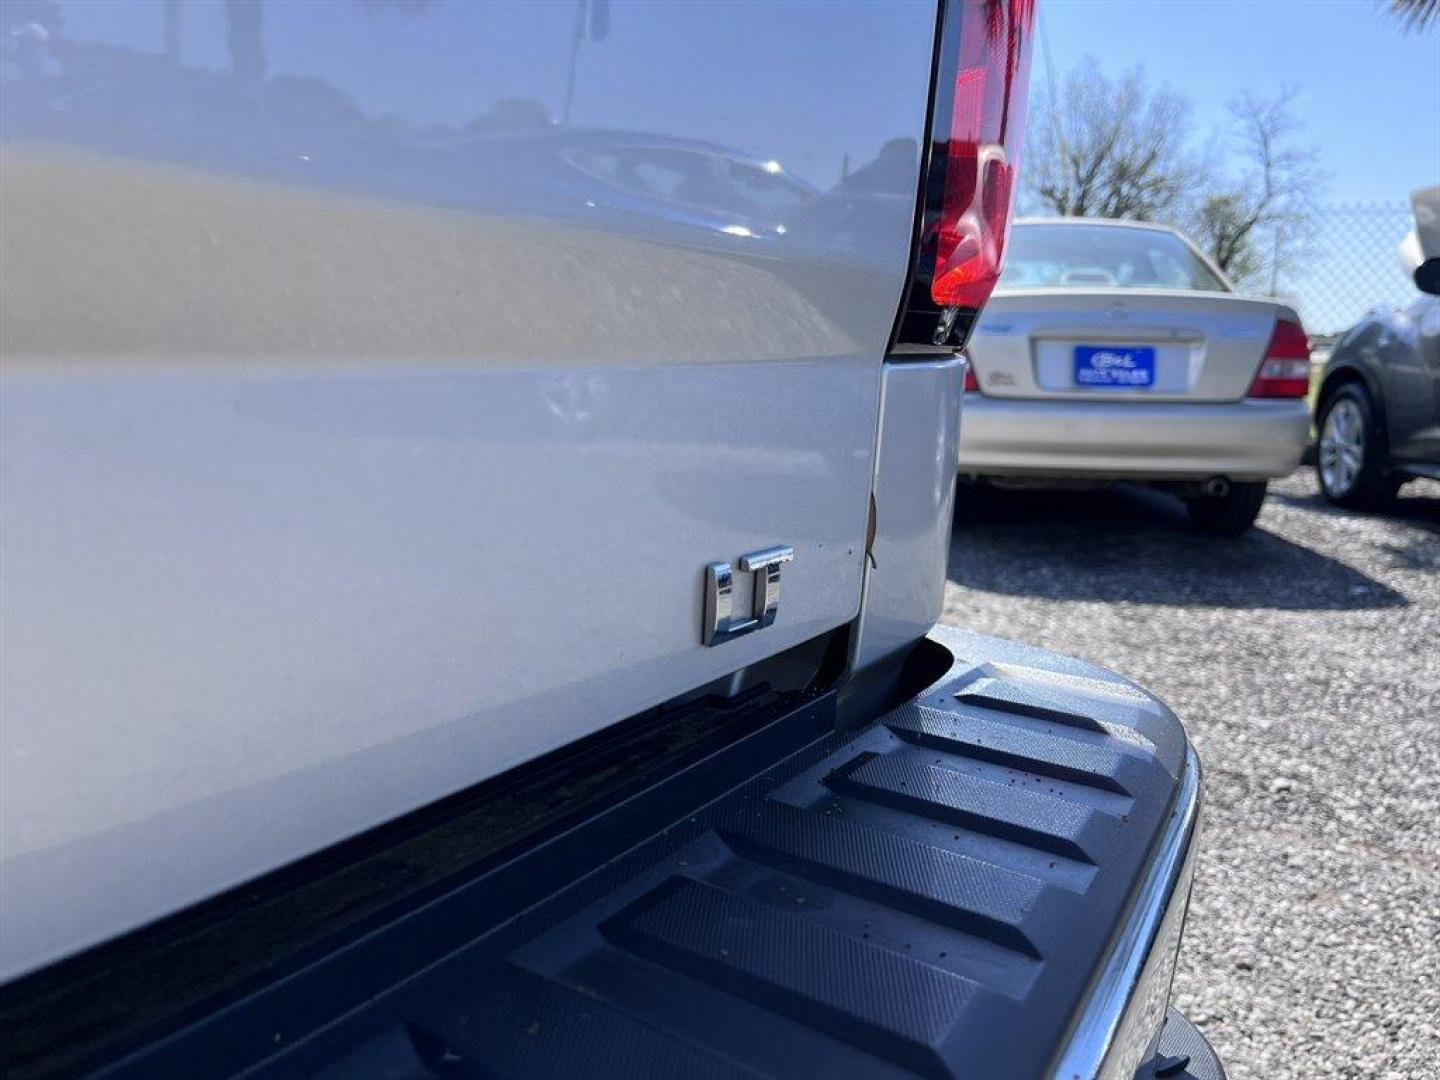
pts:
pixel 982 154
pixel 971 382
pixel 1285 371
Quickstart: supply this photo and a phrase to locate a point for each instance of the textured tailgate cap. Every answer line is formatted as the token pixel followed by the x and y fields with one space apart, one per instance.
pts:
pixel 930 895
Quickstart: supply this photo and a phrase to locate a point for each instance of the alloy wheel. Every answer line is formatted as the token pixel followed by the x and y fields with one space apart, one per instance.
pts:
pixel 1342 447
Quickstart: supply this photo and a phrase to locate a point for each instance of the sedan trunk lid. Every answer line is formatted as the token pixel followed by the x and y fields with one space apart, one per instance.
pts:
pixel 1204 346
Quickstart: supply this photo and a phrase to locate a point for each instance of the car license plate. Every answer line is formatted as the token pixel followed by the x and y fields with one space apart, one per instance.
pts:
pixel 1111 365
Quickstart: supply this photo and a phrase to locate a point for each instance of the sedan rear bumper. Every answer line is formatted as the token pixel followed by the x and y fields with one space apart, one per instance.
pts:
pixel 1243 440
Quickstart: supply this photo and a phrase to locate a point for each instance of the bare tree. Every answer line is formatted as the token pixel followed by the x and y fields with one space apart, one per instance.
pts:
pixel 1415 14
pixel 1122 149
pixel 1257 221
pixel 1105 148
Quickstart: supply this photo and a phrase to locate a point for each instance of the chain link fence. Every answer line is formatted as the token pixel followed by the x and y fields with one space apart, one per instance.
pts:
pixel 1350 266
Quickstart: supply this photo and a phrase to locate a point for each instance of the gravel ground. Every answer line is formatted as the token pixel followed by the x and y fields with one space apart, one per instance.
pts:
pixel 1304 658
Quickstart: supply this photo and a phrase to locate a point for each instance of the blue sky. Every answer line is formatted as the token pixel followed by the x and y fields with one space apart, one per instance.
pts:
pixel 1369 93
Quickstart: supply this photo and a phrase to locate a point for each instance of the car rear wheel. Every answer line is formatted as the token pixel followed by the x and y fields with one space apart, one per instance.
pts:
pixel 1229 514
pixel 1351 457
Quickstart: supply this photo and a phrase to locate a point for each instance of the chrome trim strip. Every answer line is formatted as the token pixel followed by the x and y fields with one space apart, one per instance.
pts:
pixel 1122 1013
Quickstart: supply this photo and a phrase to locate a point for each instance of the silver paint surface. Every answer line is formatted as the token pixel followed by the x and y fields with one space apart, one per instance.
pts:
pixel 350 356
pixel 914 505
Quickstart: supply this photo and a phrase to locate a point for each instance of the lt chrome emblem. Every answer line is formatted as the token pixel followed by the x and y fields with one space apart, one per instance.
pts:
pixel 720 622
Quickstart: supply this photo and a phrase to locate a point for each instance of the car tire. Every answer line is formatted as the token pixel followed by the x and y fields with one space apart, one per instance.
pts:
pixel 1350 458
pixel 1229 514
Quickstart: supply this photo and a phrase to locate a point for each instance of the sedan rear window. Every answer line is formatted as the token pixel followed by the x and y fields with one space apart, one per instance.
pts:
pixel 1103 256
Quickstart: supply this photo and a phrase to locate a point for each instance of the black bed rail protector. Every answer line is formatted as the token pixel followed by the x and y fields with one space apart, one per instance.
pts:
pixel 931 894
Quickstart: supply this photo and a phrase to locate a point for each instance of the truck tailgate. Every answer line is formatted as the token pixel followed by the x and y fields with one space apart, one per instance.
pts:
pixel 370 430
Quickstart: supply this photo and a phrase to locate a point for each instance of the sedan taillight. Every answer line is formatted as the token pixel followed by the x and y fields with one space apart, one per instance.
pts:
pixel 1285 371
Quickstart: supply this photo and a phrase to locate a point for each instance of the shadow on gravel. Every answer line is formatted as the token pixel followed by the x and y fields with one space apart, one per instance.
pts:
pixel 1129 544
pixel 1414 506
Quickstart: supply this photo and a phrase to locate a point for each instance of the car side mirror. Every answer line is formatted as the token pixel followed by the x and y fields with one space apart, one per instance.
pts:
pixel 1427 276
